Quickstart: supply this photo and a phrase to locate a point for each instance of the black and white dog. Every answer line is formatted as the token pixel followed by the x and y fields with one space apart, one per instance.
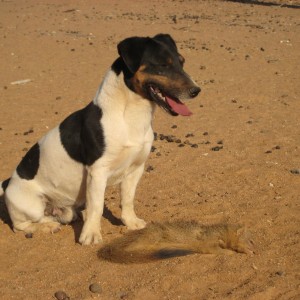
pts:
pixel 105 143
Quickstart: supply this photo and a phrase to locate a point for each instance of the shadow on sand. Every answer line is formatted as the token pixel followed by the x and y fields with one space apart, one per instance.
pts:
pixel 265 3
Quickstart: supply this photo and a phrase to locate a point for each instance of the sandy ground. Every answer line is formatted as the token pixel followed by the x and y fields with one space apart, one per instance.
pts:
pixel 246 59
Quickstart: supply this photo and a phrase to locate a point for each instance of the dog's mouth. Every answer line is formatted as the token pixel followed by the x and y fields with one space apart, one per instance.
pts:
pixel 171 104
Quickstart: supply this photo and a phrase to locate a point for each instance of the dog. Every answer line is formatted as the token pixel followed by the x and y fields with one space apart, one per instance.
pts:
pixel 105 143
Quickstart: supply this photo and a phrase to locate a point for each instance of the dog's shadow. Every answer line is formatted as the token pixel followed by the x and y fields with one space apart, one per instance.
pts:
pixel 107 214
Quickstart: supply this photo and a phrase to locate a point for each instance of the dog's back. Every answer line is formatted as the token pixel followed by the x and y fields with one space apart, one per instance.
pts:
pixel 161 241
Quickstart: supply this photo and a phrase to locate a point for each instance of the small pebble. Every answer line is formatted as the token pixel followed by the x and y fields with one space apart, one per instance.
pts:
pixel 60 295
pixel 123 295
pixel 149 168
pixel 28 132
pixel 28 235
pixel 217 148
pixel 189 135
pixel 205 133
pixel 158 154
pixel 162 137
pixel 269 151
pixel 170 139
pixel 279 273
pixel 295 171
pixel 181 145
pixel 95 288
pixel 174 126
pixel 194 146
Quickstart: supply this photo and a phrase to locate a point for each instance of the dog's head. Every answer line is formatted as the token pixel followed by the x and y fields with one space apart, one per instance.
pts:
pixel 154 70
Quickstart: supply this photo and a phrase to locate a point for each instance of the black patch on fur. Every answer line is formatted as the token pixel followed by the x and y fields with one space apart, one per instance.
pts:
pixel 119 67
pixel 29 165
pixel 81 135
pixel 5 184
pixel 168 253
pixel 132 50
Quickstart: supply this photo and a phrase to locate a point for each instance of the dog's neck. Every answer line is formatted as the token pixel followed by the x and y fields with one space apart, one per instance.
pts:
pixel 114 94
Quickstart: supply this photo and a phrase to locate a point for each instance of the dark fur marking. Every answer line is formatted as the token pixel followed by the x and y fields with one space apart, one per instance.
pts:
pixel 81 135
pixel 132 50
pixel 169 253
pixel 5 184
pixel 29 165
pixel 119 67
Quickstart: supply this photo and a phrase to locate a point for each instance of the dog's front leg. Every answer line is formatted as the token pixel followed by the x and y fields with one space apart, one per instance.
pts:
pixel 96 184
pixel 128 187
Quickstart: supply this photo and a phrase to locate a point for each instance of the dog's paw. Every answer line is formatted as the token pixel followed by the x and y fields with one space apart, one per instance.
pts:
pixel 134 223
pixel 50 227
pixel 90 237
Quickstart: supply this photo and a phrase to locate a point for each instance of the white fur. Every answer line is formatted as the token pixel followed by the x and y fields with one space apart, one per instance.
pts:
pixel 67 184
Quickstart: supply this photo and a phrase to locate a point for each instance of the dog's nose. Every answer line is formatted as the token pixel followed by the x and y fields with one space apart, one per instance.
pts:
pixel 194 91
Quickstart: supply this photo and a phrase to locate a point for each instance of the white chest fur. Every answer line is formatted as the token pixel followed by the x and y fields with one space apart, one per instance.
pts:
pixel 126 125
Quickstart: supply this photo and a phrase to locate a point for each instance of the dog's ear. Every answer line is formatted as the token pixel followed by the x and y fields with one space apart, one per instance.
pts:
pixel 131 50
pixel 168 40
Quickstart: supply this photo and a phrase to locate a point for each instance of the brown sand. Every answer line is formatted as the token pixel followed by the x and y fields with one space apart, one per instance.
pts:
pixel 246 59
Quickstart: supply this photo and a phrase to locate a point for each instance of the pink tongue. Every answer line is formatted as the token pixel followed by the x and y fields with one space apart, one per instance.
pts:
pixel 179 108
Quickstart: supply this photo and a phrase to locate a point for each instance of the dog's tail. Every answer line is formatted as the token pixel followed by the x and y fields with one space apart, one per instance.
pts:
pixel 3 186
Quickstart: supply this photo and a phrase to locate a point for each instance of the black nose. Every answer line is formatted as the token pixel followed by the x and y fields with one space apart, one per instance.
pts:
pixel 194 91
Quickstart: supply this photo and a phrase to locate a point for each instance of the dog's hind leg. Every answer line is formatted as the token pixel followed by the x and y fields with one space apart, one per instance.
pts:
pixel 45 224
pixel 65 215
pixel 26 208
pixel 128 187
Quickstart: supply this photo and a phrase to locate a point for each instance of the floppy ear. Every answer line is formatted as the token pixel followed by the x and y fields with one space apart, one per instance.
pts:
pixel 132 50
pixel 166 39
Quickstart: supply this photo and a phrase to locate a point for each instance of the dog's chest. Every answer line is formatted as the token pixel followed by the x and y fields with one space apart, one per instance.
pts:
pixel 128 143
